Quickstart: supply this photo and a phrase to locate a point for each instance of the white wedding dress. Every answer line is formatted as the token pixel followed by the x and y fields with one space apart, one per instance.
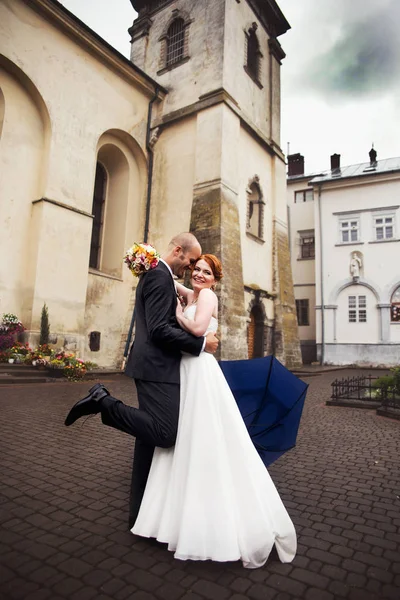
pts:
pixel 211 497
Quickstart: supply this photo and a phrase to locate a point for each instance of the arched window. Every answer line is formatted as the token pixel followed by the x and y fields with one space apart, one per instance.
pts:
pixel 175 42
pixel 253 55
pixel 99 197
pixel 395 306
pixel 255 210
pixel 255 333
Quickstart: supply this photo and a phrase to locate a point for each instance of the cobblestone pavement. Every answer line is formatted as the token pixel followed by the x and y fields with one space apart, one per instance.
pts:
pixel 64 501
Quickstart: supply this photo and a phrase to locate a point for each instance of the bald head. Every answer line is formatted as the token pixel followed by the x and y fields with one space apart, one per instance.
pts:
pixel 186 241
pixel 183 249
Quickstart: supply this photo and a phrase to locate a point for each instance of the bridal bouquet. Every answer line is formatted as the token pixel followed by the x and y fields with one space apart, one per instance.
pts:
pixel 141 258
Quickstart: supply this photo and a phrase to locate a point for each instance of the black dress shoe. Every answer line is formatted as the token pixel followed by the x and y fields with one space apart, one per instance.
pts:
pixel 91 405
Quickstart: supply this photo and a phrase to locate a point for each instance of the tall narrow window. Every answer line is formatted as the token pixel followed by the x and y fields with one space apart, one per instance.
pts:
pixel 99 197
pixel 357 309
pixel 253 55
pixel 255 333
pixel 395 306
pixel 302 309
pixel 307 244
pixel 175 42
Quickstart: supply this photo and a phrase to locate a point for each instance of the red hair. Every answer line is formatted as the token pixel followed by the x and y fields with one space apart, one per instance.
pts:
pixel 214 263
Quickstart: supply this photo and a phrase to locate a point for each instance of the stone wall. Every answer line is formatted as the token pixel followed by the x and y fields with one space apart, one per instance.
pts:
pixel 215 222
pixel 287 345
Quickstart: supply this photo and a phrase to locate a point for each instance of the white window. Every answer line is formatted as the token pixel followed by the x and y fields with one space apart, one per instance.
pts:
pixel 350 230
pixel 384 227
pixel 357 309
pixel 304 196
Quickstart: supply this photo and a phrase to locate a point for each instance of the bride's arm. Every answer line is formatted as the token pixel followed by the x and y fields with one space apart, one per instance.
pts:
pixel 206 305
pixel 185 292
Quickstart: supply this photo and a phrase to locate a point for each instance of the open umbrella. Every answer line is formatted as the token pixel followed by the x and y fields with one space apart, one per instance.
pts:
pixel 270 399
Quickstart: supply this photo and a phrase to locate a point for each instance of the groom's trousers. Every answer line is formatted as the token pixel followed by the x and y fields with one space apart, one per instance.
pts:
pixel 154 423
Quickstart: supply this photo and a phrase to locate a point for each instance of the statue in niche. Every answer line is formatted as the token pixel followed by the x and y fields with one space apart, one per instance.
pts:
pixel 355 266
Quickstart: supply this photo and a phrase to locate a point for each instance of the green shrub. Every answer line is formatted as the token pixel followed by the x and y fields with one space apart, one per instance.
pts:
pixel 44 326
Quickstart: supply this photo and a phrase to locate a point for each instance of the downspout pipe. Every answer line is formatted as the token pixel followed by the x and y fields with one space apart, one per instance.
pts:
pixel 321 270
pixel 150 164
pixel 150 154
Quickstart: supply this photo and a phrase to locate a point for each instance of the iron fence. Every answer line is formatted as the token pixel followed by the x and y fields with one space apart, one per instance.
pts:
pixel 362 388
pixel 355 388
pixel 390 398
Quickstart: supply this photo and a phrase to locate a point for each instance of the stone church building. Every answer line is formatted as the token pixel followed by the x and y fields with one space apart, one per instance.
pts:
pixel 97 151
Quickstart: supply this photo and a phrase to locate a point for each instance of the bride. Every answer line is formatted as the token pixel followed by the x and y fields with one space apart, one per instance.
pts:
pixel 211 497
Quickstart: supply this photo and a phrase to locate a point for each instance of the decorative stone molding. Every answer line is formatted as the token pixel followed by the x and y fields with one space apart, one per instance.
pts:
pixel 140 28
pixel 254 182
pixel 155 134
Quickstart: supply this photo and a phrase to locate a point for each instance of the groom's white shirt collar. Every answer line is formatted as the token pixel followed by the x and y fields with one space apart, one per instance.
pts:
pixel 168 267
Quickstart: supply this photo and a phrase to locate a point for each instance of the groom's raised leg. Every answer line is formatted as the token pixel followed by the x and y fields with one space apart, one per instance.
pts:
pixel 90 405
pixel 142 458
pixel 155 422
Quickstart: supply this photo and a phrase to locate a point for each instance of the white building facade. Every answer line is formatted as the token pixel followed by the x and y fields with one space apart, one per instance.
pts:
pixel 345 237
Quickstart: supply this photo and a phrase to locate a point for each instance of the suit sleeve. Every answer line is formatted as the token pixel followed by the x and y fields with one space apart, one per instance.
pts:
pixel 159 306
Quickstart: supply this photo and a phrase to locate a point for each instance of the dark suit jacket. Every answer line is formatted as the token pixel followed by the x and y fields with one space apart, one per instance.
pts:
pixel 159 341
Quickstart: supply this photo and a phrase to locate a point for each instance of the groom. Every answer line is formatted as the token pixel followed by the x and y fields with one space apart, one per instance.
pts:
pixel 154 364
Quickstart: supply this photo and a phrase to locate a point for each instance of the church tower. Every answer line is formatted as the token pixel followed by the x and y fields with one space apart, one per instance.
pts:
pixel 218 166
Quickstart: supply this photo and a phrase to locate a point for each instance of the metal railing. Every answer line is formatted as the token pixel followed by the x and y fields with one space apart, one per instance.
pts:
pixel 390 398
pixel 355 388
pixel 362 388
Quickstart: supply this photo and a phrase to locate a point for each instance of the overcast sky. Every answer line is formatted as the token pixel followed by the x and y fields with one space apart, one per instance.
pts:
pixel 340 79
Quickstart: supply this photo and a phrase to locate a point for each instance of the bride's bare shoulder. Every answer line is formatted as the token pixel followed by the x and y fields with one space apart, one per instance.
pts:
pixel 207 293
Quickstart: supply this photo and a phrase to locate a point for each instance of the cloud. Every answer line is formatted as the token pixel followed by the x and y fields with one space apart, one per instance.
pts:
pixel 364 60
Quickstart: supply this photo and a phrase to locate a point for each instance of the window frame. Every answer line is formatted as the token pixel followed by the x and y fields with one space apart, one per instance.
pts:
pixel 175 42
pixel 164 65
pixel 300 312
pixel 384 216
pixel 307 235
pixel 395 306
pixel 304 193
pixel 98 212
pixel 349 220
pixel 254 72
pixel 357 309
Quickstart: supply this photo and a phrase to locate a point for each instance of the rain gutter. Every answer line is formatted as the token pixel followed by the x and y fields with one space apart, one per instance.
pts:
pixel 148 205
pixel 322 357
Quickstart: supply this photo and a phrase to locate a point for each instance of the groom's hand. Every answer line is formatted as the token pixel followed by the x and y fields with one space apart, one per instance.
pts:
pixel 211 343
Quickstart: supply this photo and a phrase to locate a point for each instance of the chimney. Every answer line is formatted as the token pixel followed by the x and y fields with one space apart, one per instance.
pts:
pixel 295 164
pixel 373 156
pixel 335 162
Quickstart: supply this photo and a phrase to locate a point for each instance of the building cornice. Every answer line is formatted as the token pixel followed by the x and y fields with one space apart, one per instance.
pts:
pixel 271 17
pixel 220 96
pixel 267 11
pixel 77 30
pixel 64 206
pixel 356 180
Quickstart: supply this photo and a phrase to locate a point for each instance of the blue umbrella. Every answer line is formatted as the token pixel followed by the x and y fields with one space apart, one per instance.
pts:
pixel 270 399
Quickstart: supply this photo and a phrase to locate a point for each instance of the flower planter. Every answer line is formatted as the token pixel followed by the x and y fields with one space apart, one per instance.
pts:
pixel 56 373
pixel 11 361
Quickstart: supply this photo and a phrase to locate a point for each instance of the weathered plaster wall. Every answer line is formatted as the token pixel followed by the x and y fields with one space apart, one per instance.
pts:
pixel 58 102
